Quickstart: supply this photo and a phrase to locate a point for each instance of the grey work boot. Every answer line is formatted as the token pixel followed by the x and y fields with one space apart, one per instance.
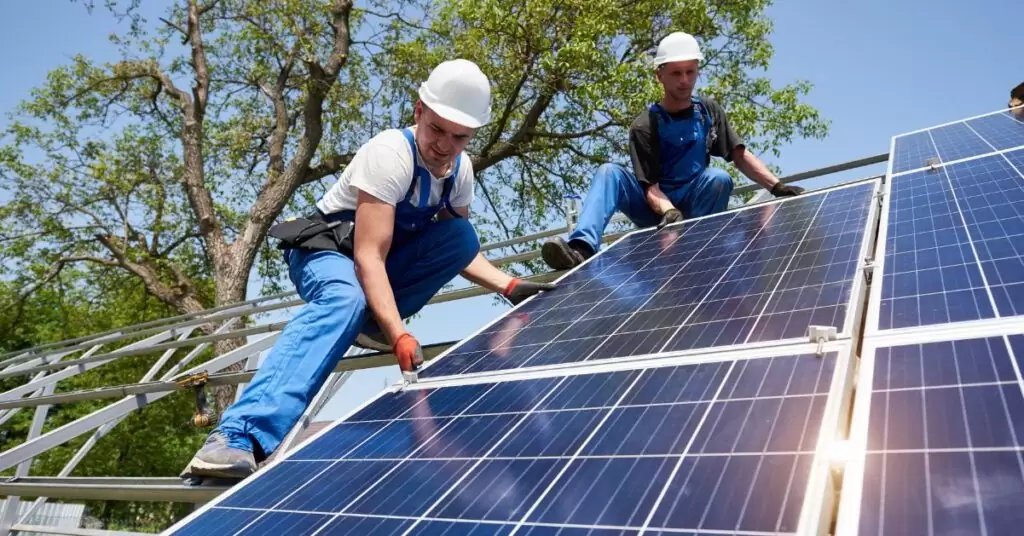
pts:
pixel 217 459
pixel 562 255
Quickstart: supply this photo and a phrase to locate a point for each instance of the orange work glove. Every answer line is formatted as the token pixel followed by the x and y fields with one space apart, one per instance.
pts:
pixel 408 352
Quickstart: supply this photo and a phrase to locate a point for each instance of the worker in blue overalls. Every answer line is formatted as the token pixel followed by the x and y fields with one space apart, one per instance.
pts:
pixel 670 147
pixel 385 238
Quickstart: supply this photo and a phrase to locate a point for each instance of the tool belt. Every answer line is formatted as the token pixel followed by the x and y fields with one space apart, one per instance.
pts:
pixel 315 232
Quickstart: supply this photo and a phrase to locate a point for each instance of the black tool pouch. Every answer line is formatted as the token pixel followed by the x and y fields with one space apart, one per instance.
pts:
pixel 314 233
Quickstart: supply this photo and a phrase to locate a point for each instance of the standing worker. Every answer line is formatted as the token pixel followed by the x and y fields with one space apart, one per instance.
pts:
pixel 385 238
pixel 671 145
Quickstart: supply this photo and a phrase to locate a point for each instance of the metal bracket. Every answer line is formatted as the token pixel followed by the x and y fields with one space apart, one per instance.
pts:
pixel 869 269
pixel 204 416
pixel 933 164
pixel 821 334
pixel 410 376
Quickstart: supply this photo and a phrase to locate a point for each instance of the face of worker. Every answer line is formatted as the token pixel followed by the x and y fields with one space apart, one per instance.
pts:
pixel 439 140
pixel 1017 108
pixel 679 78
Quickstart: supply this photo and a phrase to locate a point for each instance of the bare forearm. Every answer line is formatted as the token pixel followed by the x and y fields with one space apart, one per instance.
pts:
pixel 755 170
pixel 481 272
pixel 657 200
pixel 373 277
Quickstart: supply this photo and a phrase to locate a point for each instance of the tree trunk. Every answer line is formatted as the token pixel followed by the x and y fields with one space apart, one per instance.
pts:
pixel 232 282
pixel 224 395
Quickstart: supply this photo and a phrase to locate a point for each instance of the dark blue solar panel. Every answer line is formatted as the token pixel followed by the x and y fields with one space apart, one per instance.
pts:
pixel 912 151
pixel 991 195
pixel 756 275
pixel 958 141
pixel 934 262
pixel 931 275
pixel 665 448
pixel 1001 130
pixel 945 445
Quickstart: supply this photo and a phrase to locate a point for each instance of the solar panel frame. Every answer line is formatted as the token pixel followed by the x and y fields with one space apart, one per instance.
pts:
pixel 893 156
pixel 814 513
pixel 851 327
pixel 874 302
pixel 854 452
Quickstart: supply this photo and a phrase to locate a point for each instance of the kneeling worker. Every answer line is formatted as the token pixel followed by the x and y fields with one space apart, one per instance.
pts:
pixel 400 232
pixel 670 146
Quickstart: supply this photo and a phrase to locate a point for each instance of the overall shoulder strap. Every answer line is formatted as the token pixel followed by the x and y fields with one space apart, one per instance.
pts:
pixel 449 185
pixel 416 173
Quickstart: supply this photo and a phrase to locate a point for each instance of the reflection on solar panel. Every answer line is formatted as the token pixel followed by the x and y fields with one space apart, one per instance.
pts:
pixel 955 243
pixel 755 275
pixel 956 141
pixel 941 427
pixel 725 445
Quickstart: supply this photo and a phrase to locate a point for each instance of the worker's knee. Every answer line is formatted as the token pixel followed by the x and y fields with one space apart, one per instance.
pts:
pixel 460 240
pixel 608 175
pixel 339 297
pixel 720 182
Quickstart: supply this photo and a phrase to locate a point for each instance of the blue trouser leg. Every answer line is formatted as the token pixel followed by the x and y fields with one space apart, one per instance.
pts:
pixel 304 355
pixel 315 339
pixel 612 188
pixel 709 194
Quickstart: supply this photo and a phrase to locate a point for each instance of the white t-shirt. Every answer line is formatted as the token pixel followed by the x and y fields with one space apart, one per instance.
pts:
pixel 383 168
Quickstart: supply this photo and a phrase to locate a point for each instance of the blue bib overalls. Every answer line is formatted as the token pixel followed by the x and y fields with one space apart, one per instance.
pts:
pixel 425 255
pixel 692 187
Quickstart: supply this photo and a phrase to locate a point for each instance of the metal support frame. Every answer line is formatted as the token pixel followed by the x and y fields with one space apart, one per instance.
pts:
pixel 152 337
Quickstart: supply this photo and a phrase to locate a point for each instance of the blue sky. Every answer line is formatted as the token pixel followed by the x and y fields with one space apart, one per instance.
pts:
pixel 879 68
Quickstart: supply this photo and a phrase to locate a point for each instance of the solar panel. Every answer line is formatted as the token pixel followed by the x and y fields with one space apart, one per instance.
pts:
pixel 957 141
pixel 757 275
pixel 727 444
pixel 953 244
pixel 938 436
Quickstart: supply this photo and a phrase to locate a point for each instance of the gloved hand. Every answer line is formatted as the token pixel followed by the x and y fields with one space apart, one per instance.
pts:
pixel 518 290
pixel 408 352
pixel 670 216
pixel 786 190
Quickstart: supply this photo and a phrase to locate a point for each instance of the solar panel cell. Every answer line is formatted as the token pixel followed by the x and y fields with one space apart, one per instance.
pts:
pixel 912 151
pixel 958 141
pixel 1000 130
pixel 944 438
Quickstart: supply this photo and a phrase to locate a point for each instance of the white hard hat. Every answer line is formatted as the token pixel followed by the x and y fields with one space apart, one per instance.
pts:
pixel 677 46
pixel 458 91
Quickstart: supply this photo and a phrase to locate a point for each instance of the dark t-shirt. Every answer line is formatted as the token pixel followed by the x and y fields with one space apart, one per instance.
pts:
pixel 721 140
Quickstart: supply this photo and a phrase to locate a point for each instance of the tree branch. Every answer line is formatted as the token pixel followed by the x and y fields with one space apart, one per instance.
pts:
pixel 174 245
pixel 571 135
pixel 184 33
pixel 522 136
pixel 507 112
pixel 195 36
pixel 275 194
pixel 327 166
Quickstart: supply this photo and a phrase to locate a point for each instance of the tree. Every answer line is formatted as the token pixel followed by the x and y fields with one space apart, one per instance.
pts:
pixel 171 164
pixel 149 442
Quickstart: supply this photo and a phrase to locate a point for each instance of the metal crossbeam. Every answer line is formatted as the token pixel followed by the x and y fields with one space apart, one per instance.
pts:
pixel 348 364
pixel 168 489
